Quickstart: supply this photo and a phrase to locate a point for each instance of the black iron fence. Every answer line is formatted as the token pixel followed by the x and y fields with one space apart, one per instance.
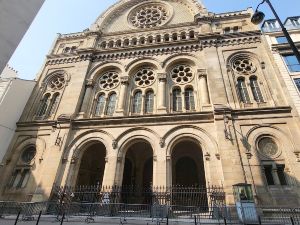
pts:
pixel 89 212
pixel 172 195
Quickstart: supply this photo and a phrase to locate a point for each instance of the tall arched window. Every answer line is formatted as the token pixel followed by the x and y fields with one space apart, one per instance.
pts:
pixel 137 102
pixel 100 103
pixel 149 100
pixel 243 92
pixel 110 109
pixel 257 95
pixel 177 101
pixel 189 99
pixel 53 104
pixel 43 106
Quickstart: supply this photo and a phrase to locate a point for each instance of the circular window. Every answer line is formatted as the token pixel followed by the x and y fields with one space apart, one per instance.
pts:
pixel 29 154
pixel 109 80
pixel 57 82
pixel 149 15
pixel 182 74
pixel 144 77
pixel 244 66
pixel 267 146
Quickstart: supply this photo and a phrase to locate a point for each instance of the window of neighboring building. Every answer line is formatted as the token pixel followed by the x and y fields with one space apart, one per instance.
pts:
pixel 149 100
pixel 295 21
pixel 137 102
pixel 189 99
pixel 256 90
pixel 272 24
pixel 242 89
pixel 110 109
pixel 297 82
pixel 177 101
pixel 100 105
pixel 292 63
pixel 281 40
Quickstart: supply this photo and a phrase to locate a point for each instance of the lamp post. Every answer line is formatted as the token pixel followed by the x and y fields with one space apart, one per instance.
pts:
pixel 259 16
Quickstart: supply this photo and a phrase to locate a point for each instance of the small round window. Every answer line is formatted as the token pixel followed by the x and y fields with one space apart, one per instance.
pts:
pixel 267 146
pixel 29 154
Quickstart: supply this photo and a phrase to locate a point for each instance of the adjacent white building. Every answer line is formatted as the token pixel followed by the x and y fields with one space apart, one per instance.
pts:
pixel 14 93
pixel 15 19
pixel 285 59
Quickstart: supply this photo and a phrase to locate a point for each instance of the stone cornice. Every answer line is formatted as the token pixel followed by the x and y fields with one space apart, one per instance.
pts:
pixel 79 35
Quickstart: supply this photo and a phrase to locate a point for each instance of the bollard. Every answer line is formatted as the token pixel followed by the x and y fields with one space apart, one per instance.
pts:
pixel 259 220
pixel 38 219
pixel 195 220
pixel 17 218
pixel 292 220
pixel 62 219
pixel 225 222
pixel 167 220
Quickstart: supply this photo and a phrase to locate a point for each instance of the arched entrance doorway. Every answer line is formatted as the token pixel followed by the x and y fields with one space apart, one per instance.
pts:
pixel 188 175
pixel 138 173
pixel 92 165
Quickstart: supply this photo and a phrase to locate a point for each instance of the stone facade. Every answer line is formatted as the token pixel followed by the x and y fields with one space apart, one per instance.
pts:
pixel 160 86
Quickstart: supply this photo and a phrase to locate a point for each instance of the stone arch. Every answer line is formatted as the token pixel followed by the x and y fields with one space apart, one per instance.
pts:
pixel 181 57
pixel 54 73
pixel 135 64
pixel 126 138
pixel 204 139
pixel 278 134
pixel 244 54
pixel 102 67
pixel 74 148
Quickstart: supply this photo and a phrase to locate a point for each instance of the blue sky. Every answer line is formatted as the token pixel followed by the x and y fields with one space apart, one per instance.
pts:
pixel 68 16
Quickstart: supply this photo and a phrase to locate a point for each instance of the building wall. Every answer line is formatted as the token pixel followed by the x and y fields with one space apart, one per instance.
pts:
pixel 60 118
pixel 15 19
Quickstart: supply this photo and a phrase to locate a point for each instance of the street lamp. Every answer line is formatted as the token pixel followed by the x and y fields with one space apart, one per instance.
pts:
pixel 259 16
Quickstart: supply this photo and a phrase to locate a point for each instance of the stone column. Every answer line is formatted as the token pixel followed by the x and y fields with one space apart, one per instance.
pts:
pixel 122 96
pixel 204 93
pixel 161 93
pixel 87 96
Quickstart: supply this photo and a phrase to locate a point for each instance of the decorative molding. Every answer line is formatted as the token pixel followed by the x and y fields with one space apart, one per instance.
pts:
pixel 114 144
pixel 202 72
pixel 124 80
pixel 90 83
pixel 162 142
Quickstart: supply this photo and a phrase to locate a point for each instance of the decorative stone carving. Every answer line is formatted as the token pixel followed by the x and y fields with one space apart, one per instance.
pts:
pixel 144 77
pixel 244 66
pixel 90 83
pixel 57 82
pixel 162 76
pixel 114 144
pixel 182 74
pixel 124 79
pixel 162 142
pixel 268 147
pixel 148 15
pixel 207 156
pixel 109 80
pixel 74 160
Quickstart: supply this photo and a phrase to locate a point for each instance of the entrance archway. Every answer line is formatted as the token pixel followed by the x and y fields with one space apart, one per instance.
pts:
pixel 138 173
pixel 92 165
pixel 188 175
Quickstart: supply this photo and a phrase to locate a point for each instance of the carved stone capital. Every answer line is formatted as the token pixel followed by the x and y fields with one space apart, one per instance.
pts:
pixel 74 160
pixel 155 158
pixel 168 158
pixel 202 73
pixel 162 76
pixel 124 80
pixel 90 83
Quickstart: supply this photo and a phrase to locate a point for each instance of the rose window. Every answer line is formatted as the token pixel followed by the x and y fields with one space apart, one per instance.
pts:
pixel 148 16
pixel 182 74
pixel 144 77
pixel 244 66
pixel 57 82
pixel 109 80
pixel 29 154
pixel 267 146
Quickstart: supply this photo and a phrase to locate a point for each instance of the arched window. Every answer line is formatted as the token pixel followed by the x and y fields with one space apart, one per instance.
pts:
pixel 257 95
pixel 43 106
pixel 192 34
pixel 177 101
pixel 149 100
pixel 53 104
pixel 110 109
pixel 189 99
pixel 183 36
pixel 137 102
pixel 167 37
pixel 100 103
pixel 174 37
pixel 242 89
